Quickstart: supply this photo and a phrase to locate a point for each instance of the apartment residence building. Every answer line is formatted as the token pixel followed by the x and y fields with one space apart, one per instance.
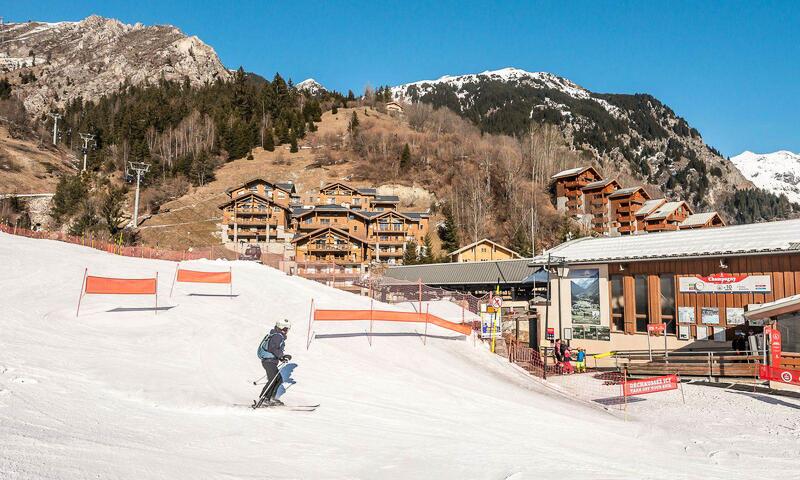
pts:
pixel 604 207
pixel 340 224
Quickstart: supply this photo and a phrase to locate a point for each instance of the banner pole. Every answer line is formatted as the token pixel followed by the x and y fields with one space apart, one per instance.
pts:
pixel 174 279
pixel 230 269
pixel 156 294
pixel 83 285
pixel 425 338
pixel 683 395
pixel 649 350
pixel 369 337
pixel 310 319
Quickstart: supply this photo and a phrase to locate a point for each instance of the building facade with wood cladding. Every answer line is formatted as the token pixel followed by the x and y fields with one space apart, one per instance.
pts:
pixel 699 282
pixel 604 207
pixel 340 224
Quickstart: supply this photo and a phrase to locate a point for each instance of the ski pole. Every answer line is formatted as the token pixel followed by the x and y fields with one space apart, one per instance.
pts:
pixel 255 382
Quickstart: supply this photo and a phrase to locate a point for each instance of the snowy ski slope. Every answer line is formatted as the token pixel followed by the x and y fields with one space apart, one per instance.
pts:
pixel 124 393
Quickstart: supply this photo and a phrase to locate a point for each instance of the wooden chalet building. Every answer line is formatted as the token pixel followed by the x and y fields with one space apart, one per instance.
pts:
pixel 568 188
pixel 605 208
pixel 700 282
pixel 668 216
pixel 624 205
pixel 483 251
pixel 597 205
pixel 342 224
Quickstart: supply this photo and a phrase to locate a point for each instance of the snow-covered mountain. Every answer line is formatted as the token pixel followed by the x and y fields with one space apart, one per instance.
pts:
pixel 311 86
pixel 87 59
pixel 777 172
pixel 633 135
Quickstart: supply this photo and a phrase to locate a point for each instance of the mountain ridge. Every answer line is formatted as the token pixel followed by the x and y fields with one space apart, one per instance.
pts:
pixel 96 56
pixel 632 134
pixel 777 172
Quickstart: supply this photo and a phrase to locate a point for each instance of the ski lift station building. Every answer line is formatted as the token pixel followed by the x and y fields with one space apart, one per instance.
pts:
pixel 605 291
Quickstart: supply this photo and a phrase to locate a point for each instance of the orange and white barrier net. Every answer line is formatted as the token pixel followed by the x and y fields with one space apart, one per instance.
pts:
pixel 93 285
pixel 196 276
pixel 371 315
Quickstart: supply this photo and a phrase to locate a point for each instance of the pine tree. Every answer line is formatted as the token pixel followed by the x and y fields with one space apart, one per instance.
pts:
pixel 448 232
pixel 350 96
pixel 293 142
pixel 427 251
pixel 410 255
pixel 269 141
pixel 405 157
pixel 353 126
pixel 520 243
pixel 334 109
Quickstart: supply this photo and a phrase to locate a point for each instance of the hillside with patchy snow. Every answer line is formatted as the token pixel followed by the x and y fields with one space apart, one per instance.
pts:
pixel 636 135
pixel 120 392
pixel 311 86
pixel 777 172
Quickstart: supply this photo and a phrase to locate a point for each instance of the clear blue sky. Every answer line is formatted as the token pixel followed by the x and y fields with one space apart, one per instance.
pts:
pixel 731 68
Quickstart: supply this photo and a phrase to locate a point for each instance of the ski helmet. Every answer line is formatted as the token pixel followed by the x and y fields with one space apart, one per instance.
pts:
pixel 281 324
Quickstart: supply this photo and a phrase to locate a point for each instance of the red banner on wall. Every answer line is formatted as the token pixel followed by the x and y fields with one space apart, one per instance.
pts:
pixel 656 327
pixel 765 372
pixel 774 345
pixel 650 385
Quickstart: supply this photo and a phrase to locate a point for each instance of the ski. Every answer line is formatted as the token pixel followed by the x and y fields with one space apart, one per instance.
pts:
pixel 296 408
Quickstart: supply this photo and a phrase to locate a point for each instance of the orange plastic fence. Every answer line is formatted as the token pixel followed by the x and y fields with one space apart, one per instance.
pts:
pixel 389 316
pixel 120 286
pixel 194 276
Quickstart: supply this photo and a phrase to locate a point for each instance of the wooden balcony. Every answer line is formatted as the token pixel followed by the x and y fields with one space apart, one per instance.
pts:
pixel 330 247
pixel 384 254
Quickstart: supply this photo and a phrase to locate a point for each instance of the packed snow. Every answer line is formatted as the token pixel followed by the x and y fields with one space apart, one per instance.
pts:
pixel 777 172
pixel 123 392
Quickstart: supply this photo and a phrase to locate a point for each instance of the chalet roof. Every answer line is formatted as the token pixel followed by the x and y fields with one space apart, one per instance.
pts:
pixel 387 199
pixel 625 192
pixel 485 240
pixel 666 210
pixel 368 191
pixel 781 306
pixel 417 215
pixel 464 273
pixel 757 238
pixel 332 229
pixel 301 212
pixel 341 184
pixel 572 172
pixel 600 184
pixel 698 219
pixel 253 194
pixel 648 206
pixel 287 187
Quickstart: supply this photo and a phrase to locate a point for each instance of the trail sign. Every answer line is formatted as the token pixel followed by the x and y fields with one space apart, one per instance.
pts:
pixel 550 334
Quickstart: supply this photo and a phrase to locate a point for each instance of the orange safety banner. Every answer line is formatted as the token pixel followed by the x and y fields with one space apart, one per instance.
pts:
pixel 120 286
pixel 389 316
pixel 650 385
pixel 194 276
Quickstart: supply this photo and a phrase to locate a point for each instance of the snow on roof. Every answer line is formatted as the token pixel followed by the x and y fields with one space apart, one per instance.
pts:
pixel 648 206
pixel 570 172
pixel 698 219
pixel 599 184
pixel 665 210
pixel 626 191
pixel 756 238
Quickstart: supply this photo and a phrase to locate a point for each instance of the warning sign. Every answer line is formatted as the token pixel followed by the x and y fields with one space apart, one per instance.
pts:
pixel 650 385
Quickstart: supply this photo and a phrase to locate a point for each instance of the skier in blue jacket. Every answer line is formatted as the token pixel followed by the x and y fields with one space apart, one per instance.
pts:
pixel 270 351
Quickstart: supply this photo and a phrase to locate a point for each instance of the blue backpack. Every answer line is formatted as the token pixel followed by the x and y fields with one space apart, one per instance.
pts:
pixel 262 353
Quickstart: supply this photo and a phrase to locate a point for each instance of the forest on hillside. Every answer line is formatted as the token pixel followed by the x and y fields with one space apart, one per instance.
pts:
pixel 184 133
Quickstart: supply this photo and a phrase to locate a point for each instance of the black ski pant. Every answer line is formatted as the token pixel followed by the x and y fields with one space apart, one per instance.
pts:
pixel 271 387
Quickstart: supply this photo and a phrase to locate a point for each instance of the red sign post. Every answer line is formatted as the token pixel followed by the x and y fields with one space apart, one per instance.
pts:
pixel 656 327
pixel 765 372
pixel 650 385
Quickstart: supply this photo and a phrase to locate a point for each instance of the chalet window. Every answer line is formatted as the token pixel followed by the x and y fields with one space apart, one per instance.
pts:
pixel 667 294
pixel 641 294
pixel 254 188
pixel 356 201
pixel 355 228
pixel 281 195
pixel 331 200
pixel 325 220
pixel 617 304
